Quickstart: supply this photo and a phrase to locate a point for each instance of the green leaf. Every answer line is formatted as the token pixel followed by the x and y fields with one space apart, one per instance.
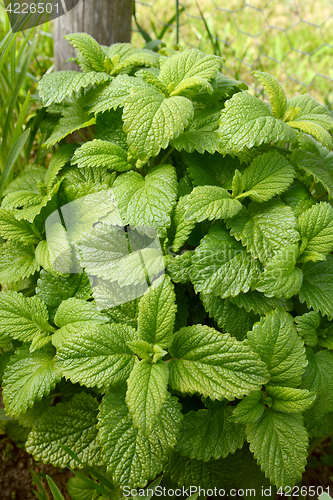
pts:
pixel 179 267
pixel 208 434
pixel 187 64
pixel 307 325
pixel 316 227
pixel 54 289
pixel 290 400
pixel 74 118
pixel 78 489
pixel 214 364
pixel 132 458
pixel 147 393
pixel 210 202
pixel 259 303
pixel 268 175
pixel 298 197
pixel 97 153
pixel 157 311
pixel 96 355
pixel 201 135
pixel 221 266
pixel 275 91
pixel 92 55
pixel 316 289
pixel 151 120
pixel 247 122
pixel 318 378
pixel 312 118
pixel 112 94
pixel 230 318
pixel 213 170
pixel 72 423
pixel 277 342
pixel 23 318
pixel 105 254
pixel 28 378
pixel 316 166
pixel 17 261
pixel 265 228
pixel 249 409
pixel 280 278
pixel 156 192
pixel 180 228
pixel 237 470
pixel 58 161
pixel 284 460
pixel 55 87
pixel 73 314
pixel 325 334
pixel 15 230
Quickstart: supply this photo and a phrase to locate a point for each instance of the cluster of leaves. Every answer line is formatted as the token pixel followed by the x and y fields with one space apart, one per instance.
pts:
pixel 221 370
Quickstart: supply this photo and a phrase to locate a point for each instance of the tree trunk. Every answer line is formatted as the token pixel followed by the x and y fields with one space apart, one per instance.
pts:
pixel 108 21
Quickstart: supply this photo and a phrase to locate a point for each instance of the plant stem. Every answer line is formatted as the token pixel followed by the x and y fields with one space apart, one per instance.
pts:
pixel 315 443
pixel 166 156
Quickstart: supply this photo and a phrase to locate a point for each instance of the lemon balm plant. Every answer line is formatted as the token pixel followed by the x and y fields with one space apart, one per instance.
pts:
pixel 219 371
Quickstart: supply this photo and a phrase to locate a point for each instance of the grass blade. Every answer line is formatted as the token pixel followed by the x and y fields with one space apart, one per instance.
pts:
pixel 54 489
pixel 11 158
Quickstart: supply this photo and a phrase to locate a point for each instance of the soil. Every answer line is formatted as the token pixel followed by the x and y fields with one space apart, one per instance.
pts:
pixel 15 476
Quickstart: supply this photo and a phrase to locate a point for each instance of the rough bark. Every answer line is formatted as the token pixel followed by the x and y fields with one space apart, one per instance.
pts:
pixel 108 21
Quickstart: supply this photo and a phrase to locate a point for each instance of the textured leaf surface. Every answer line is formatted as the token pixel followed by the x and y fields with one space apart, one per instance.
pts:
pixel 318 378
pixel 276 340
pixel 95 355
pixel 157 310
pixel 132 458
pixel 17 261
pixel 312 118
pixel 147 393
pixel 316 289
pixel 55 87
pixel 208 434
pixel 213 170
pixel 180 227
pixel 316 226
pixel 229 317
pixel 57 162
pixel 268 175
pixel 74 118
pixel 210 202
pixel 112 94
pixel 265 228
pixel 73 424
pixel 280 278
pixel 214 364
pixel 92 56
pixel 28 378
pixel 188 64
pixel 98 153
pixel 156 194
pixel 290 400
pixel 259 303
pixel 23 318
pixel 235 471
pixel 54 289
pixel 221 266
pixel 17 230
pixel 277 95
pixel 315 165
pixel 284 460
pixel 307 325
pixel 151 120
pixel 247 122
pixel 249 409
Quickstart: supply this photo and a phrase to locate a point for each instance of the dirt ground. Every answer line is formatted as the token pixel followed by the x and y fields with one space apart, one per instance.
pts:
pixel 15 476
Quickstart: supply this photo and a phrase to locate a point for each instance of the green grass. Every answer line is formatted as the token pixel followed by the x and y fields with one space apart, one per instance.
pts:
pixel 292 40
